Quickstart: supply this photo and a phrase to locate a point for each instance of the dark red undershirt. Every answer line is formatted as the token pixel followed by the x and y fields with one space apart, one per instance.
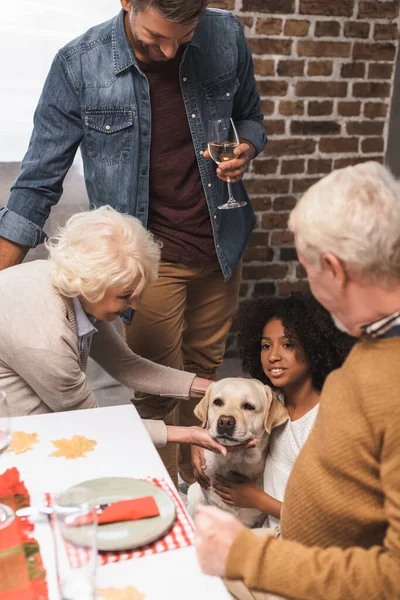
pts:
pixel 178 212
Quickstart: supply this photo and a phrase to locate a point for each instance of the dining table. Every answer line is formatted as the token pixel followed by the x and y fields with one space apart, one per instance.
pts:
pixel 123 449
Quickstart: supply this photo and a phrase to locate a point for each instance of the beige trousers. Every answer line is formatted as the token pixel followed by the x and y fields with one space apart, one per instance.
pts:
pixel 183 322
pixel 239 590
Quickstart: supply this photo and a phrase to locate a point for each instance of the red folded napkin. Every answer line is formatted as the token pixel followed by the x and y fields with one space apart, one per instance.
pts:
pixel 129 510
pixel 22 574
pixel 123 510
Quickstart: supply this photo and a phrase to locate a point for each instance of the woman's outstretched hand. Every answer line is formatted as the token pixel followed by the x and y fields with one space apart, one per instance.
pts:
pixel 196 436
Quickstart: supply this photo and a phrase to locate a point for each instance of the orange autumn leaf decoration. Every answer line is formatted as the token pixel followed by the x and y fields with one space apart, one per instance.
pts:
pixel 22 441
pixel 127 593
pixel 75 447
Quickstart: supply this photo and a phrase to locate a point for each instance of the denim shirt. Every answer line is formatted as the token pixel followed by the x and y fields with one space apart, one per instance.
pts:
pixel 97 97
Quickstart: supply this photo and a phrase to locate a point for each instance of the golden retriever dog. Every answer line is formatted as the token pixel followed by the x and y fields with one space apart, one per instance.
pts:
pixel 236 410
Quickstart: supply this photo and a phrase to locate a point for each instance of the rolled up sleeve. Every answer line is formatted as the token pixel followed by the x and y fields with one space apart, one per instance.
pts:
pixel 19 229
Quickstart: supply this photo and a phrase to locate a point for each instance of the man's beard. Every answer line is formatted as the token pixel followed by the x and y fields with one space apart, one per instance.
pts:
pixel 145 49
pixel 338 324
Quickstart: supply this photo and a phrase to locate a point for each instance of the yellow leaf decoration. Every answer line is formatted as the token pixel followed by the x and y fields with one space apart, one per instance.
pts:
pixel 22 441
pixel 128 593
pixel 74 447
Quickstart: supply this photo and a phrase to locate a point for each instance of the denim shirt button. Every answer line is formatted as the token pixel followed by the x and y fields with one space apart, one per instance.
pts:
pixel 145 132
pixel 210 185
pixel 193 116
pixel 228 94
pixel 184 79
pixel 144 96
pixel 108 127
pixel 143 171
pixel 215 216
pixel 141 209
pixel 201 152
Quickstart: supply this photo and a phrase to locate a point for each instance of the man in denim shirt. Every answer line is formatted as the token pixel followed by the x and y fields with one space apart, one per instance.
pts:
pixel 135 94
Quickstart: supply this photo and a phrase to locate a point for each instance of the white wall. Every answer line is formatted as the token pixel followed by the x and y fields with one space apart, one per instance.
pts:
pixel 31 32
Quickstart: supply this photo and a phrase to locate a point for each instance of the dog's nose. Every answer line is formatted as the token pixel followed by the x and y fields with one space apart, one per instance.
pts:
pixel 226 424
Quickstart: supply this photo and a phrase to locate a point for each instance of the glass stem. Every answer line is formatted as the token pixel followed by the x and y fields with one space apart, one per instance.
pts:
pixel 230 194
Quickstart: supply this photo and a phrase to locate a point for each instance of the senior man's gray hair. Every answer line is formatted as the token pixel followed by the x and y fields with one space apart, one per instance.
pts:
pixel 355 214
pixel 100 249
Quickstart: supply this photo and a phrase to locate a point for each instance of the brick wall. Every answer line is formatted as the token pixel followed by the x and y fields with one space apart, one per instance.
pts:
pixel 324 70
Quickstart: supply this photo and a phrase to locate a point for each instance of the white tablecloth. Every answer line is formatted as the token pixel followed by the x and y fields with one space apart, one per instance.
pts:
pixel 123 449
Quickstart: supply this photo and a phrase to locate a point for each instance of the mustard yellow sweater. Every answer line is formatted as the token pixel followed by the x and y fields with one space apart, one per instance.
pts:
pixel 341 513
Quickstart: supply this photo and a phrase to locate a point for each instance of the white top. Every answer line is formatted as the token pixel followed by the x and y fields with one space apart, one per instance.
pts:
pixel 123 449
pixel 285 444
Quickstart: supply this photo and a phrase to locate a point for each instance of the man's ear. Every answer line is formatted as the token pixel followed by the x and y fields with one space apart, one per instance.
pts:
pixel 201 409
pixel 336 268
pixel 126 5
pixel 275 412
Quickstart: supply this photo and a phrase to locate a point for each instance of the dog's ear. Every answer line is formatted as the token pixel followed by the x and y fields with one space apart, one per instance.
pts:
pixel 201 409
pixel 275 412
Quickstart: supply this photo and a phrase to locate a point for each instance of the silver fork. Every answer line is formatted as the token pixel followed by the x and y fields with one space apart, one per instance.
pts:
pixel 38 511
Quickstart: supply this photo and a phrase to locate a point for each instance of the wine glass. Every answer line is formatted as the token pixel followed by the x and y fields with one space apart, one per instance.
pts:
pixel 75 526
pixel 6 513
pixel 223 139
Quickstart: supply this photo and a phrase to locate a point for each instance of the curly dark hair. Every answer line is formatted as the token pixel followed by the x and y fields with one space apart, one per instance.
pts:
pixel 302 317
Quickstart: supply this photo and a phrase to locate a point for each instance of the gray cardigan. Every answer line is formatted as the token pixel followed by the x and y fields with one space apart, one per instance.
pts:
pixel 41 368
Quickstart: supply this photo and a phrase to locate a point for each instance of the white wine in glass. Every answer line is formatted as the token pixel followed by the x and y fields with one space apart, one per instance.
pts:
pixel 222 151
pixel 6 514
pixel 223 139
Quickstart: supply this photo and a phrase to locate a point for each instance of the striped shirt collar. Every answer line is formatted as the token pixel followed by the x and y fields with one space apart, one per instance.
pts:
pixel 383 327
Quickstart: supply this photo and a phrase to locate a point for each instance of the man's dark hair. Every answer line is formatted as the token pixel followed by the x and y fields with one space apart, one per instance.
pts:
pixel 303 318
pixel 182 12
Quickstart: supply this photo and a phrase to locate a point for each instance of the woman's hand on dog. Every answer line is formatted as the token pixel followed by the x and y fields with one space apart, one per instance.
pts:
pixel 241 492
pixel 199 461
pixel 201 439
pixel 244 493
pixel 197 436
pixel 199 466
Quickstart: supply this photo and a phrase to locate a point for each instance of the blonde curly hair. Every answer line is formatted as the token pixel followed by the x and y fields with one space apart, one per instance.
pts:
pixel 101 249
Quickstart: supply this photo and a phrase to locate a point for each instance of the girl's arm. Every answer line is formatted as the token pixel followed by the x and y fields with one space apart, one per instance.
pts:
pixel 246 494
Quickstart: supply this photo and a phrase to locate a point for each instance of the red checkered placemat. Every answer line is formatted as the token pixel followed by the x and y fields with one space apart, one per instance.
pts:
pixel 180 535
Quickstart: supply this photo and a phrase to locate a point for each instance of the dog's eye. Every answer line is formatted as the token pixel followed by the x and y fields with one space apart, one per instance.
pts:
pixel 218 402
pixel 248 406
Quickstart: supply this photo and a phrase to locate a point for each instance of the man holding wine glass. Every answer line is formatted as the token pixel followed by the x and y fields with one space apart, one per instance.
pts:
pixel 223 144
pixel 137 94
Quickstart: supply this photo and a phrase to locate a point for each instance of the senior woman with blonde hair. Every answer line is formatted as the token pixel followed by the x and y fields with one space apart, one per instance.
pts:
pixel 57 312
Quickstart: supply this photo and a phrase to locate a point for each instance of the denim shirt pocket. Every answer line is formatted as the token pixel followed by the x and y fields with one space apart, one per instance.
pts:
pixel 108 135
pixel 220 92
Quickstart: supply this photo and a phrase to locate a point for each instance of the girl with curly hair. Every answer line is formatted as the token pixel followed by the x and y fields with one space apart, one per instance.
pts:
pixel 290 344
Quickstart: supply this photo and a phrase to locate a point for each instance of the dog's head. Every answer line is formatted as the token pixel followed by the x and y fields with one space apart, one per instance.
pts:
pixel 235 410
